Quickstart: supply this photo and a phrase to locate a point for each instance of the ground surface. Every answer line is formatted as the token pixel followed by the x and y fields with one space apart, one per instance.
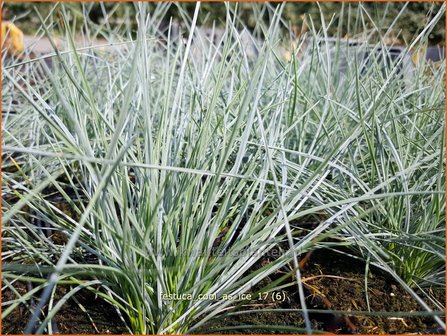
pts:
pixel 98 318
pixel 338 281
pixel 330 278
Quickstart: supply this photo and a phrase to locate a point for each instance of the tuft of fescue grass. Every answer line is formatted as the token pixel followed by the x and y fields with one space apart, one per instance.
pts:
pixel 168 164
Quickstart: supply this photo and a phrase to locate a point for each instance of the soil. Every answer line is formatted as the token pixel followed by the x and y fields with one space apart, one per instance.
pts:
pixel 332 281
pixel 95 317
pixel 337 282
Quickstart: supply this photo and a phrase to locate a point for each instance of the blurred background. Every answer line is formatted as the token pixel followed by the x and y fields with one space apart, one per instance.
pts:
pixel 410 23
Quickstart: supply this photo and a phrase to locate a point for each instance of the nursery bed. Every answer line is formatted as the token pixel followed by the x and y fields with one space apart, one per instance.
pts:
pixel 70 319
pixel 338 278
pixel 341 281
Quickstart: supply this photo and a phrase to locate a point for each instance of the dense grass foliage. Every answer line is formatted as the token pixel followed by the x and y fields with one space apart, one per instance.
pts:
pixel 169 163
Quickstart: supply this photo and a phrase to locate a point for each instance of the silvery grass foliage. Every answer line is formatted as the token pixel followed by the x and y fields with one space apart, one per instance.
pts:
pixel 182 158
pixel 391 124
pixel 157 168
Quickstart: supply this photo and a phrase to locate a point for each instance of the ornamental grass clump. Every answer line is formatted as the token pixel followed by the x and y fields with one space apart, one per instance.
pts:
pixel 388 168
pixel 150 152
pixel 158 180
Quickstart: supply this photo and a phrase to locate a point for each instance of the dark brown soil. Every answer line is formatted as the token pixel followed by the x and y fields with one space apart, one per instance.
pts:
pixel 331 280
pixel 337 282
pixel 99 317
pixel 341 280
